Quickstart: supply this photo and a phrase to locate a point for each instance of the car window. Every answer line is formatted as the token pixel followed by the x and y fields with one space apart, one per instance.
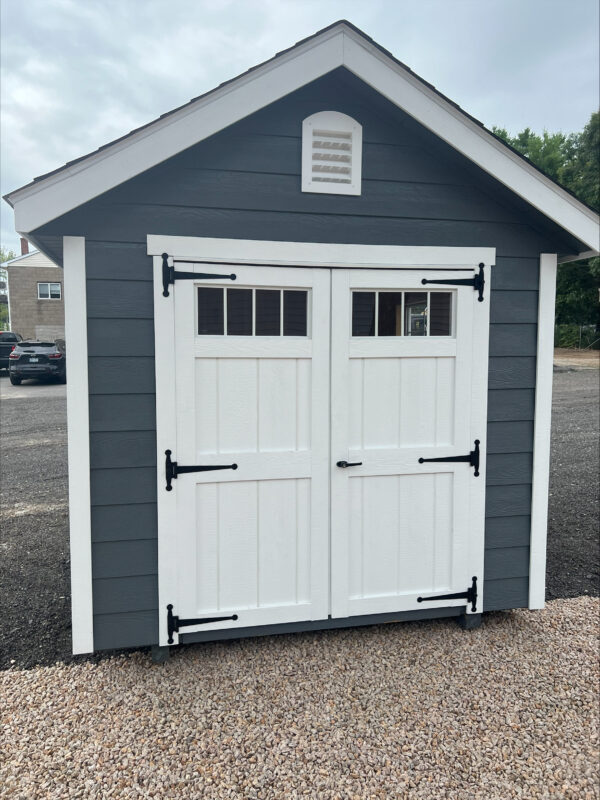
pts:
pixel 8 337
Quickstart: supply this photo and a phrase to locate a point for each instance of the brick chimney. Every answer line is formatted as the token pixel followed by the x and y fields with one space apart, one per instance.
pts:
pixel 24 246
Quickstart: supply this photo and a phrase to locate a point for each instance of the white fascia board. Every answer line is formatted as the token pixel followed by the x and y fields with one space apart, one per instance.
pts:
pixel 541 433
pixel 340 46
pixel 453 126
pixel 311 254
pixel 78 439
pixel 38 204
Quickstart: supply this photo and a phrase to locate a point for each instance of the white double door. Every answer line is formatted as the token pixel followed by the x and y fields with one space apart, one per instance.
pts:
pixel 283 373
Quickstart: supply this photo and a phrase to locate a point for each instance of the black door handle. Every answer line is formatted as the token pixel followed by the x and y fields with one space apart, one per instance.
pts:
pixel 344 464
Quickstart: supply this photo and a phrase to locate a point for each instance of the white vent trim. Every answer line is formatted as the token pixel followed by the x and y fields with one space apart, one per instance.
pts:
pixel 331 154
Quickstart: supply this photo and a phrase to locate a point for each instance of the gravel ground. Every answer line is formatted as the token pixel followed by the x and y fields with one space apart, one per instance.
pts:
pixel 34 557
pixel 419 710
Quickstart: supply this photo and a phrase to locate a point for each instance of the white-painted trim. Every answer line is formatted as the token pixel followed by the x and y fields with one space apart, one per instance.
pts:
pixel 79 444
pixel 541 437
pixel 312 254
pixel 48 198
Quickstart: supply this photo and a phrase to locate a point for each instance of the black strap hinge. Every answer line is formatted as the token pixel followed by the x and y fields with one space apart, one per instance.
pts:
pixel 471 458
pixel 174 622
pixel 477 282
pixel 470 596
pixel 173 469
pixel 170 275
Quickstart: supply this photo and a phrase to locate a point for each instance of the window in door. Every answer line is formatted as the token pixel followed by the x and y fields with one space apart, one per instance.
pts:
pixel 252 312
pixel 402 313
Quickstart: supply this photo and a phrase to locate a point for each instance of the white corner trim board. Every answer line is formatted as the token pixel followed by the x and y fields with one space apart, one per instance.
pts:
pixel 339 46
pixel 312 254
pixel 80 529
pixel 541 437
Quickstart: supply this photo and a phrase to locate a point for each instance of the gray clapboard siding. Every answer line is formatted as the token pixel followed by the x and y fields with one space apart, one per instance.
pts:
pixel 518 274
pixel 131 337
pixel 506 593
pixel 513 306
pixel 132 593
pixel 507 501
pixel 510 437
pixel 130 629
pixel 509 468
pixel 116 449
pixel 511 372
pixel 121 375
pixel 510 405
pixel 507 532
pixel 513 340
pixel 125 559
pixel 125 522
pixel 244 183
pixel 127 412
pixel 116 486
pixel 506 562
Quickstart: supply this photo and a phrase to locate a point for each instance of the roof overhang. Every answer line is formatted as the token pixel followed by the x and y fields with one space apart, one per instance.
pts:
pixel 340 45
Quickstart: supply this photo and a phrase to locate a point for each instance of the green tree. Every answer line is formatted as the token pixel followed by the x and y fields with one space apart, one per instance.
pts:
pixel 6 255
pixel 574 161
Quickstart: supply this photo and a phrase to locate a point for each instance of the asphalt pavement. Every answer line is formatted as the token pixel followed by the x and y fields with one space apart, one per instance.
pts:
pixel 34 552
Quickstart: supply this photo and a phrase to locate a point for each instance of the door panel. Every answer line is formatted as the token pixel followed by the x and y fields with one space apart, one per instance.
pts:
pixel 252 541
pixel 402 389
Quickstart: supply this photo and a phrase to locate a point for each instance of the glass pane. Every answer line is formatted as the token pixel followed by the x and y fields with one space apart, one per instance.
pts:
pixel 440 314
pixel 363 313
pixel 268 312
pixel 390 314
pixel 239 312
pixel 55 291
pixel 294 313
pixel 210 311
pixel 43 291
pixel 415 314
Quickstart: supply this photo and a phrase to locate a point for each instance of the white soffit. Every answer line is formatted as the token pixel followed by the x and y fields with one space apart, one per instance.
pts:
pixel 339 46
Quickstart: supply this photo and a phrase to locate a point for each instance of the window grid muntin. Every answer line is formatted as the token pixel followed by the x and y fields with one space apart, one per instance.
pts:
pixel 428 292
pixel 308 313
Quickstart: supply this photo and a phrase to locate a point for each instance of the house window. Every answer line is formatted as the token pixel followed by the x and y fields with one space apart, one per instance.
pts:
pixel 252 312
pixel 399 313
pixel 49 291
pixel 331 154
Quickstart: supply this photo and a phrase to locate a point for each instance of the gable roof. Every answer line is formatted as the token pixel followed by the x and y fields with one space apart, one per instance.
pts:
pixel 339 45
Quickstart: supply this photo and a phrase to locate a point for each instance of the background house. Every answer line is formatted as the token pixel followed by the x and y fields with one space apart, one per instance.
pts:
pixel 35 292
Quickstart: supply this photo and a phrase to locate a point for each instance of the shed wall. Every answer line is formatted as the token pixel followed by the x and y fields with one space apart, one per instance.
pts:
pixel 245 183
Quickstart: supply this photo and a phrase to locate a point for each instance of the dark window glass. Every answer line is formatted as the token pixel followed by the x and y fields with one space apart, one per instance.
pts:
pixel 294 313
pixel 363 313
pixel 415 314
pixel 239 312
pixel 440 313
pixel 390 314
pixel 268 312
pixel 8 337
pixel 210 311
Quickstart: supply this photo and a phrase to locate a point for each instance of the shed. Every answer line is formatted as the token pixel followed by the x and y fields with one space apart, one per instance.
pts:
pixel 310 328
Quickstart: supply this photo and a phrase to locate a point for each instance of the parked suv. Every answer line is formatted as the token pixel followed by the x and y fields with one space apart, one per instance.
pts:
pixel 38 360
pixel 8 340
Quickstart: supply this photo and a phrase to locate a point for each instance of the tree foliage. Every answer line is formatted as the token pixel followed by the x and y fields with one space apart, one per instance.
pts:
pixel 574 161
pixel 6 255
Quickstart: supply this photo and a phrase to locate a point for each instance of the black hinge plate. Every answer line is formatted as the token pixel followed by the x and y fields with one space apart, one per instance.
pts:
pixel 470 595
pixel 477 282
pixel 173 469
pixel 472 458
pixel 170 275
pixel 174 623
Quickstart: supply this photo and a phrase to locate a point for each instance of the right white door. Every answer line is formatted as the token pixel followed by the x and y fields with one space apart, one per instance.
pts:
pixel 408 382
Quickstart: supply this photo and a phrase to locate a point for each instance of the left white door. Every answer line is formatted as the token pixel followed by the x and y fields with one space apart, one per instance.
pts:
pixel 244 368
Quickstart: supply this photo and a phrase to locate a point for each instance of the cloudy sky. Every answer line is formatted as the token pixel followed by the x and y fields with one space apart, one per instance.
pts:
pixel 78 73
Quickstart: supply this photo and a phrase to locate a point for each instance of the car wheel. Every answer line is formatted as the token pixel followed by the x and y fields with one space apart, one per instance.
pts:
pixel 15 380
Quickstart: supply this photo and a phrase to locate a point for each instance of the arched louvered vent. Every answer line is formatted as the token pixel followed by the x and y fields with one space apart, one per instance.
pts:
pixel 331 154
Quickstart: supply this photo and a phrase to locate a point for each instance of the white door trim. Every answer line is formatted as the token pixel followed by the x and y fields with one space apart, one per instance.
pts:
pixel 542 427
pixel 78 436
pixel 317 254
